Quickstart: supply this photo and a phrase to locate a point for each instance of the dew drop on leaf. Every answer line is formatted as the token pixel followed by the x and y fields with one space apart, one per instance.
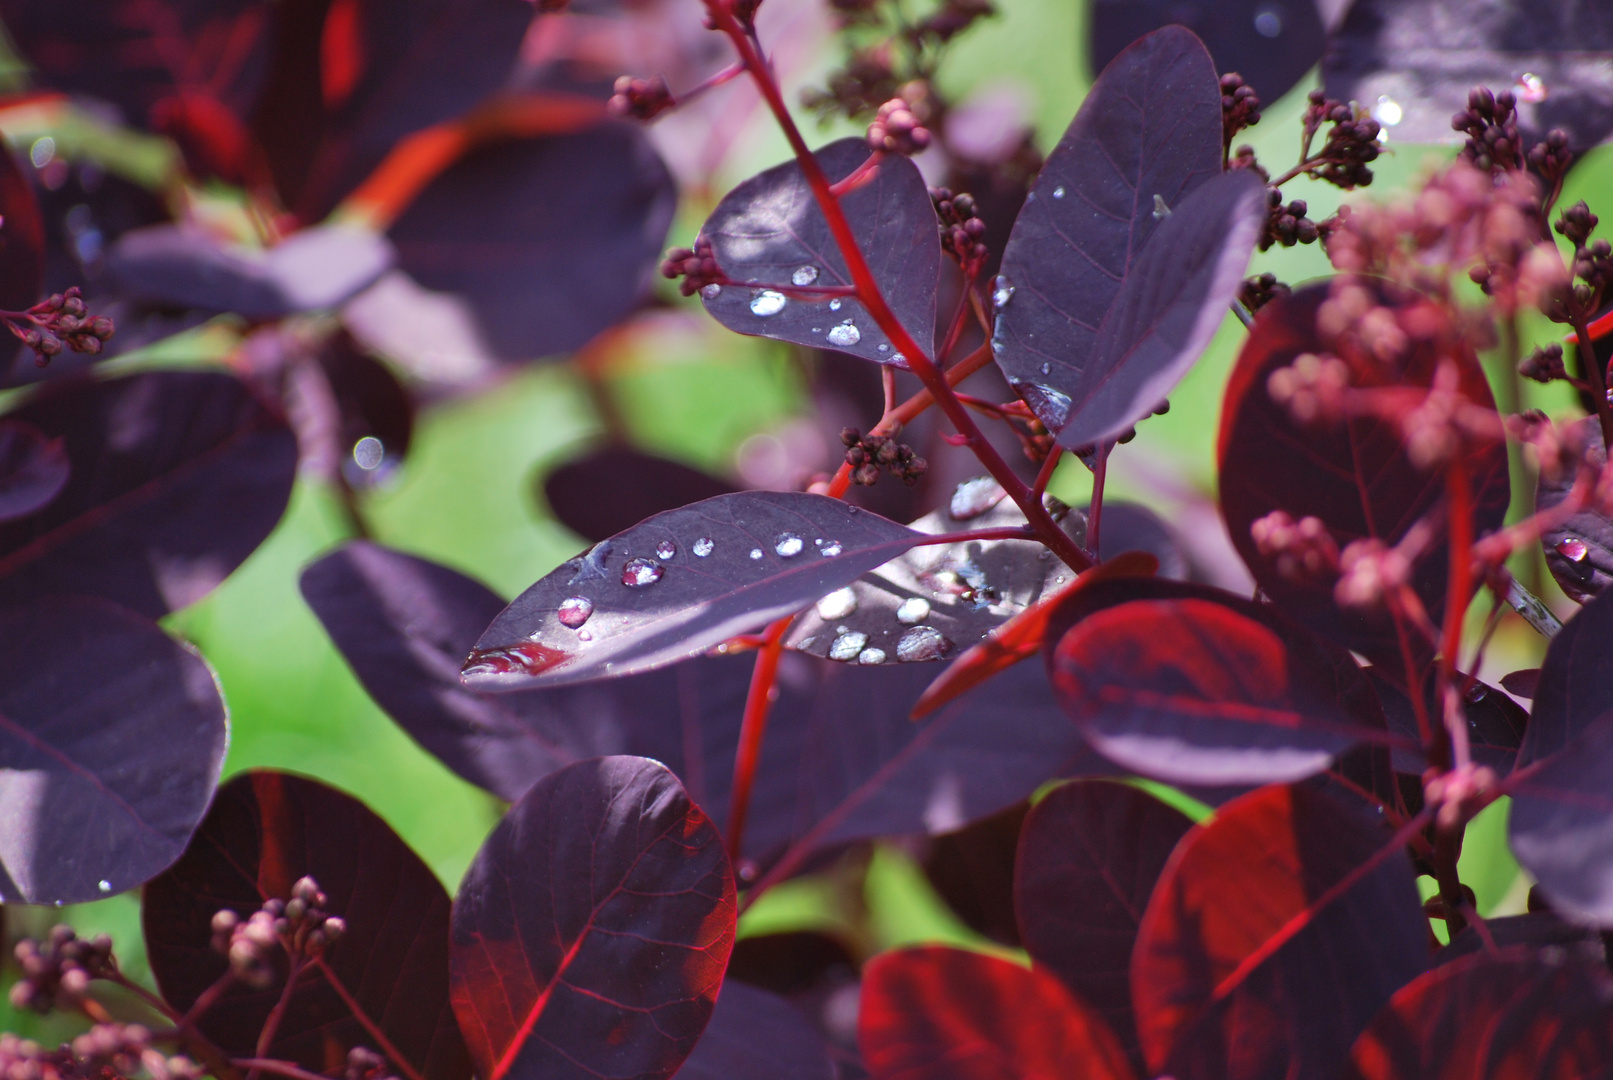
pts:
pixel 767 302
pixel 838 604
pixel 756 553
pixel 1058 192
pixel 847 646
pixel 1531 88
pixel 788 545
pixel 640 573
pixel 831 549
pixel 805 275
pixel 871 656
pixel 834 305
pixel 104 885
pixel 922 643
pixel 712 291
pixel 1047 368
pixel 574 611
pixel 913 610
pixel 844 335
pixel 703 547
pixel 665 549
pixel 1572 549
pixel 974 497
pixel 1002 291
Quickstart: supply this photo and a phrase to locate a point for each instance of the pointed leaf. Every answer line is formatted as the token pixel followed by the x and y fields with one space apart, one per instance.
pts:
pixel 939 1013
pixel 1579 552
pixel 613 488
pixel 591 932
pixel 679 583
pixel 102 779
pixel 1561 824
pixel 769 235
pixel 1576 682
pixel 754 1035
pixel 33 469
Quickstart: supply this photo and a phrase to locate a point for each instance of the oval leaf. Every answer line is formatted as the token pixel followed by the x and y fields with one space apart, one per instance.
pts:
pixel 102 779
pixel 33 469
pixel 1561 824
pixel 768 235
pixel 1576 682
pixel 679 583
pixel 613 488
pixel 1579 552
pixel 592 930
pixel 754 1035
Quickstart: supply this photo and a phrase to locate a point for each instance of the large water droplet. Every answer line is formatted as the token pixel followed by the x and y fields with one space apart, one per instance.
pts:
pixel 574 611
pixel 640 573
pixel 922 643
pixel 838 604
pixel 767 302
pixel 845 335
pixel 834 305
pixel 1572 549
pixel 871 656
pixel 703 547
pixel 756 553
pixel 913 610
pixel 712 291
pixel 1002 291
pixel 666 549
pixel 847 646
pixel 788 545
pixel 1058 192
pixel 1051 406
pixel 974 497
pixel 831 549
pixel 805 275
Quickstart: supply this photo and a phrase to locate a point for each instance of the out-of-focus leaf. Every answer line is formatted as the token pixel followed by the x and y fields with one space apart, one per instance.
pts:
pixel 614 487
pixel 265 831
pixel 679 583
pixel 769 235
pixel 549 240
pixel 1561 825
pixel 372 404
pixel 1089 856
pixel 1237 950
pixel 1495 723
pixel 1493 1016
pixel 1576 682
pixel 754 1035
pixel 591 933
pixel 1353 475
pixel 1425 55
pixel 939 1013
pixel 1537 929
pixel 112 735
pixel 972 869
pixel 22 239
pixel 83 217
pixel 176 478
pixel 1579 552
pixel 311 270
pixel 33 469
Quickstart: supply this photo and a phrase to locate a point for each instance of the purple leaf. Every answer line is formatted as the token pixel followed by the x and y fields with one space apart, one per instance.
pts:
pixel 612 488
pixel 176 478
pixel 549 240
pixel 102 778
pixel 1579 552
pixel 33 469
pixel 372 404
pixel 1561 824
pixel 1495 723
pixel 1089 857
pixel 591 933
pixel 679 583
pixel 1537 929
pixel 22 237
pixel 1576 682
pixel 265 831
pixel 754 1035
pixel 972 869
pixel 769 235
pixel 1150 127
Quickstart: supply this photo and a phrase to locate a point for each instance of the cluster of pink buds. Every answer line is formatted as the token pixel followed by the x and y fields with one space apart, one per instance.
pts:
pixel 57 322
pixel 641 99
pixel 58 970
pixel 1303 549
pixel 1240 106
pixel 107 1051
pixel 1369 570
pixel 962 230
pixel 1311 388
pixel 897 129
pixel 697 266
pixel 301 926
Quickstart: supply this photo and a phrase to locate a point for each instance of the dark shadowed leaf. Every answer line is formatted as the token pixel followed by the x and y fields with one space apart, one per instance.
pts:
pixel 1269 461
pixel 769 235
pixel 1493 1016
pixel 265 831
pixel 1576 682
pixel 612 488
pixel 549 240
pixel 1151 126
pixel 591 933
pixel 83 216
pixel 1521 683
pixel 22 240
pixel 1495 723
pixel 790 963
pixel 679 583
pixel 754 1035
pixel 176 478
pixel 939 1013
pixel 311 270
pixel 102 779
pixel 1240 969
pixel 972 869
pixel 1579 553
pixel 1425 55
pixel 33 469
pixel 1561 825
pixel 1537 929
pixel 1089 856
pixel 1272 44
pixel 372 404
pixel 1128 526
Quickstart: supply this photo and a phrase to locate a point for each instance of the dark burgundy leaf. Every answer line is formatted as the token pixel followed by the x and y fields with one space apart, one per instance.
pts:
pixel 549 240
pixel 112 735
pixel 972 869
pixel 1273 43
pixel 614 487
pixel 22 239
pixel 1521 683
pixel 1269 461
pixel 372 404
pixel 33 469
pixel 1579 552
pixel 1241 971
pixel 1537 929
pixel 315 269
pixel 1495 723
pixel 754 1035
pixel 591 933
pixel 1493 1016
pixel 1128 526
pixel 939 1013
pixel 679 583
pixel 769 235
pixel 1561 825
pixel 1089 856
pixel 1425 55
pixel 176 478
pixel 1576 682
pixel 265 831
pixel 791 963
pixel 1150 126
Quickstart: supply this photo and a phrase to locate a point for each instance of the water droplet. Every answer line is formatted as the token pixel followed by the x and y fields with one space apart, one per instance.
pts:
pixel 898 359
pixel 838 604
pixel 922 643
pixel 42 152
pixel 702 547
pixel 847 646
pixel 805 275
pixel 1051 406
pixel 834 305
pixel 1387 112
pixel 665 549
pixel 913 610
pixel 806 643
pixel 1161 211
pixel 845 335
pixel 104 885
pixel 1531 88
pixel 640 573
pixel 585 635
pixel 1058 192
pixel 817 329
pixel 788 545
pixel 712 291
pixel 368 453
pixel 529 658
pixel 1476 693
pixel 767 302
pixel 756 553
pixel 884 348
pixel 1047 367
pixel 1002 291
pixel 574 611
pixel 831 549
pixel 974 497
pixel 871 656
pixel 1572 549
pixel 1269 21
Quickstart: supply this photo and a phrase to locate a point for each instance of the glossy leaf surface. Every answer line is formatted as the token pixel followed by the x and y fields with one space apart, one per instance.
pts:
pixel 176 478
pixel 1495 723
pixel 1277 931
pixel 1561 825
pixel 591 933
pixel 679 583
pixel 1576 682
pixel 755 1035
pixel 33 469
pixel 939 1013
pixel 265 831
pixel 1579 553
pixel 1089 857
pixel 102 779
pixel 768 234
pixel 613 488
